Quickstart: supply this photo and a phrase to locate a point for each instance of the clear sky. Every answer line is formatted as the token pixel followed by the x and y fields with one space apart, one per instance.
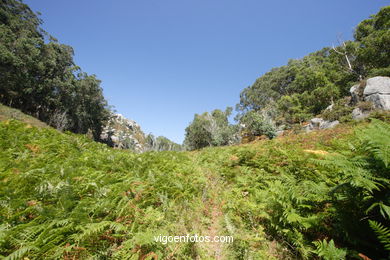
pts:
pixel 162 61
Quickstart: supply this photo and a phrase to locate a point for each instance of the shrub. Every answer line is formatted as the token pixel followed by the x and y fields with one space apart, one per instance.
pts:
pixel 211 129
pixel 257 125
pixel 365 105
pixel 340 110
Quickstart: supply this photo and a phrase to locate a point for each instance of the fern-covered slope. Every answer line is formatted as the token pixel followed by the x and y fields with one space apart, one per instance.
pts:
pixel 63 196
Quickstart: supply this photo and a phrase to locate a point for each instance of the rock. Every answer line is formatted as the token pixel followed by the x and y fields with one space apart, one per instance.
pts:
pixel 377 85
pixel 123 133
pixel 379 101
pixel 356 93
pixel 319 123
pixel 329 124
pixel 307 128
pixel 316 122
pixel 359 114
pixel 115 139
pixel 280 130
pixel 377 91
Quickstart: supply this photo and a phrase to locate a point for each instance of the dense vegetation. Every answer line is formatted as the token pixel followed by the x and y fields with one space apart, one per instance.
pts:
pixel 38 75
pixel 303 88
pixel 320 194
pixel 292 94
pixel 64 196
pixel 323 193
pixel 161 143
pixel 211 129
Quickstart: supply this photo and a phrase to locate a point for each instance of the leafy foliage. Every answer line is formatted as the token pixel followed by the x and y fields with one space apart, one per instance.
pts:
pixel 305 87
pixel 64 196
pixel 306 188
pixel 328 251
pixel 38 75
pixel 211 129
pixel 382 232
pixel 339 111
pixel 258 125
pixel 161 143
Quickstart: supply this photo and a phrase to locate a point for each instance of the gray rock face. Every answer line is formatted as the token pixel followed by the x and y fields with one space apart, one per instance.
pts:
pixel 355 95
pixel 377 85
pixel 379 101
pixel 316 122
pixel 358 114
pixel 329 124
pixel 319 123
pixel 123 133
pixel 377 91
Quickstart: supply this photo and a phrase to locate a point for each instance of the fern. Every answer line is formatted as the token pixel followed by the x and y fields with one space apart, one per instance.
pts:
pixel 376 140
pixel 329 251
pixel 383 233
pixel 19 253
pixel 82 200
pixel 383 209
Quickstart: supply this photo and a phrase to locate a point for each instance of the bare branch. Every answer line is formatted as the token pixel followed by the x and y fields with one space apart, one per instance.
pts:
pixel 337 50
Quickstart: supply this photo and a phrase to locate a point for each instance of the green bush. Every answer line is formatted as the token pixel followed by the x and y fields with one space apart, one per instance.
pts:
pixel 257 125
pixel 211 129
pixel 340 111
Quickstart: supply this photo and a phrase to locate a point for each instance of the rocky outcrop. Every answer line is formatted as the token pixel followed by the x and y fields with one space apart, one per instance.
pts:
pixel 123 133
pixel 375 90
pixel 378 92
pixel 319 123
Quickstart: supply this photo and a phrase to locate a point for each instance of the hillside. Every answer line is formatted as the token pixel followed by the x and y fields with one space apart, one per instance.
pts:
pixel 7 113
pixel 65 196
pixel 302 173
pixel 123 133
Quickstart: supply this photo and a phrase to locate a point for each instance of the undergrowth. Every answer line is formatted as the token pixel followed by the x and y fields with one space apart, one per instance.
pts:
pixel 322 195
pixel 64 196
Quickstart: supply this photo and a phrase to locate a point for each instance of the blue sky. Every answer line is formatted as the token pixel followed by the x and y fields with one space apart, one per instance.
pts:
pixel 161 62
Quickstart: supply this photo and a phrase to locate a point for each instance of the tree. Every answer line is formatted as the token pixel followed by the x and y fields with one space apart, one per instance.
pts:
pixel 257 125
pixel 373 37
pixel 161 143
pixel 211 129
pixel 38 75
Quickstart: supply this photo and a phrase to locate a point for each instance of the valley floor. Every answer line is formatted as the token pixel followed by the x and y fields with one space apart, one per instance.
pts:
pixel 64 196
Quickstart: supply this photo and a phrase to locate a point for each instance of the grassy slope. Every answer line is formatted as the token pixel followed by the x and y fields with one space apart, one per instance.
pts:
pixel 244 170
pixel 12 113
pixel 64 196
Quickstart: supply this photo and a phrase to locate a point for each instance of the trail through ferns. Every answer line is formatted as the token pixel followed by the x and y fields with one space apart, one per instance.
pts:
pixel 323 194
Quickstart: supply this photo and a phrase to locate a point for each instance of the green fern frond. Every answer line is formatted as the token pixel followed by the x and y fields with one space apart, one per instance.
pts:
pixel 19 253
pixel 329 251
pixel 382 232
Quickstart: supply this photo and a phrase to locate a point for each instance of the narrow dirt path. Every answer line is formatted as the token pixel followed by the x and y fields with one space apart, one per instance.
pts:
pixel 213 212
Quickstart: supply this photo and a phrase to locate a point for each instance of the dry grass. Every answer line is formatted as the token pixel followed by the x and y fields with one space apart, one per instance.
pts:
pixel 7 113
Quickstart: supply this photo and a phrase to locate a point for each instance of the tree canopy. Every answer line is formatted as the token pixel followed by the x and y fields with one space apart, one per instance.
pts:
pixel 305 87
pixel 211 129
pixel 38 75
